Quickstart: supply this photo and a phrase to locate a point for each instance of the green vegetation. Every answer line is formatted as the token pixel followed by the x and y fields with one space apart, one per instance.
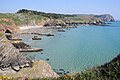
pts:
pixel 1 34
pixel 78 18
pixel 48 15
pixel 19 19
pixel 5 23
pixel 83 18
pixel 26 17
pixel 13 19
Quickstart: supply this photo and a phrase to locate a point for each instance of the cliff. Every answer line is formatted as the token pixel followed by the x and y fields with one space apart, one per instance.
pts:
pixel 105 17
pixel 10 56
pixel 14 64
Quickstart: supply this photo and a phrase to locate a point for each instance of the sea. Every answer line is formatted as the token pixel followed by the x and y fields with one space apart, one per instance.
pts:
pixel 78 49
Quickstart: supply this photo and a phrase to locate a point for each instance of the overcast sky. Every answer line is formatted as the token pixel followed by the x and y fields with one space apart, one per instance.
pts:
pixel 64 6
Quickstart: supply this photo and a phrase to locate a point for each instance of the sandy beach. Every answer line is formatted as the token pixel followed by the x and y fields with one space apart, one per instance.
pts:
pixel 29 27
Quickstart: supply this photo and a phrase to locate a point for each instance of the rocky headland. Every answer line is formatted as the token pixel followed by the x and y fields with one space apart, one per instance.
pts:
pixel 106 17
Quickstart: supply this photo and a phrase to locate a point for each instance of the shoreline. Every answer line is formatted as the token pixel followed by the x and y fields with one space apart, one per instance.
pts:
pixel 29 27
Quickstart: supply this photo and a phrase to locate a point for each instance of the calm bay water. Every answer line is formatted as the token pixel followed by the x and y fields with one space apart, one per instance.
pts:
pixel 79 48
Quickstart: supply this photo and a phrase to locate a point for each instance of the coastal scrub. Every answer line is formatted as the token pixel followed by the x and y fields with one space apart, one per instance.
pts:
pixel 1 34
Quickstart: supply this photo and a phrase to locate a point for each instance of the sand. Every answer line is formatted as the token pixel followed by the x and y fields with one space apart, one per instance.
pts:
pixel 29 27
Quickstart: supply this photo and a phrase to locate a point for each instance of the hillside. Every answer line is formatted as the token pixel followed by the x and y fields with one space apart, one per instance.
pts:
pixel 26 17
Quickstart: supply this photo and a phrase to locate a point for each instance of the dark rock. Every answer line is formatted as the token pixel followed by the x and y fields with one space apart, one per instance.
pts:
pixel 47 59
pixel 61 69
pixel 41 53
pixel 21 45
pixel 61 30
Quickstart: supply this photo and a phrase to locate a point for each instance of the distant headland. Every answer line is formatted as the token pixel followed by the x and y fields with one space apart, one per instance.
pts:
pixel 26 17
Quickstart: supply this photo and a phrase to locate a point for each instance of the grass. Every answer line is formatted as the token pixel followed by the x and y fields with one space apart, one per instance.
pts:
pixel 5 23
pixel 21 19
pixel 12 17
pixel 1 34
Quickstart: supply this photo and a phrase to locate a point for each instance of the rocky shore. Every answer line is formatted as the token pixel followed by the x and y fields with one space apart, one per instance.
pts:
pixel 14 64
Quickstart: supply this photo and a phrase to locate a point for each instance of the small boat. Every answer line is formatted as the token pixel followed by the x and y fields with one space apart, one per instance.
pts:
pixel 36 38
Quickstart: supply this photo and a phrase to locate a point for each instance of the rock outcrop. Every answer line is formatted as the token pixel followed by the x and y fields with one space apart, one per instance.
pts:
pixel 40 69
pixel 10 56
pixel 13 63
pixel 54 22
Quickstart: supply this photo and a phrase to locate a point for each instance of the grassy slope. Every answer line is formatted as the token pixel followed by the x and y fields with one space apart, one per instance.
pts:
pixel 1 34
pixel 19 19
pixel 9 16
pixel 83 18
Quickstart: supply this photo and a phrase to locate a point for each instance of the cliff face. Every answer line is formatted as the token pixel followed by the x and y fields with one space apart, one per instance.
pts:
pixel 10 56
pixel 54 22
pixel 11 61
pixel 105 17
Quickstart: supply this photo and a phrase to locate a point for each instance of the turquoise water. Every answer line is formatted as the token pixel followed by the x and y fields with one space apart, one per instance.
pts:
pixel 80 48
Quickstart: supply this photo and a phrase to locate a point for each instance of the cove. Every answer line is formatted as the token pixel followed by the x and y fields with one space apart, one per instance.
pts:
pixel 79 48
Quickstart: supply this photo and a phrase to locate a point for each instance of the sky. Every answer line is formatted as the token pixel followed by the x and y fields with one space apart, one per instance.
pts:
pixel 64 6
